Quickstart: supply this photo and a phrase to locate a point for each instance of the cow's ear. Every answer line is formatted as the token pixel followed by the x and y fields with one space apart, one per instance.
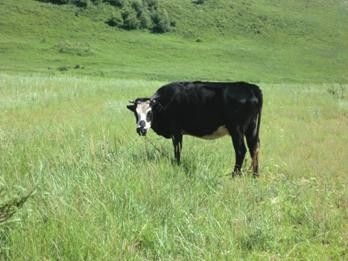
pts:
pixel 153 101
pixel 131 107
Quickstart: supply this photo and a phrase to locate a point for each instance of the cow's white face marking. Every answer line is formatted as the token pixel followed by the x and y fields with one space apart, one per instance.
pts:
pixel 144 115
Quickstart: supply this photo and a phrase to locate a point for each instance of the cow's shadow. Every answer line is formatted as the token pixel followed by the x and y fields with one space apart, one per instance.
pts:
pixel 150 155
pixel 153 156
pixel 188 166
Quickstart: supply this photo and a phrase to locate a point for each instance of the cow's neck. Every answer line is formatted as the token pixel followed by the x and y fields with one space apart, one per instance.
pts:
pixel 160 123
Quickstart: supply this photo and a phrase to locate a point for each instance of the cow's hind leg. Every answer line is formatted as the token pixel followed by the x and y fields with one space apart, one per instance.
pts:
pixel 177 143
pixel 253 142
pixel 239 148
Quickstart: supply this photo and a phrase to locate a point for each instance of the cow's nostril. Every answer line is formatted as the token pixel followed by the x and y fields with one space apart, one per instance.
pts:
pixel 142 124
pixel 141 131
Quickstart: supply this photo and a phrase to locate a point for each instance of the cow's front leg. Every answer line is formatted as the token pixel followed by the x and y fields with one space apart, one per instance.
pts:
pixel 177 143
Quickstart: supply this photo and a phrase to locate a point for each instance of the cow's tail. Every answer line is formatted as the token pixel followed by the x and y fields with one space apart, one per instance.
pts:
pixel 260 96
pixel 256 145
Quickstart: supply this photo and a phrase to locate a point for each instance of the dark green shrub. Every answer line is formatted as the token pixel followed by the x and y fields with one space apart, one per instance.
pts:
pixel 63 68
pixel 82 3
pixel 151 3
pixel 137 5
pixel 119 3
pixel 79 3
pixel 145 19
pixel 115 20
pixel 130 19
pixel 161 21
pixel 198 2
pixel 97 2
pixel 57 2
pixel 134 14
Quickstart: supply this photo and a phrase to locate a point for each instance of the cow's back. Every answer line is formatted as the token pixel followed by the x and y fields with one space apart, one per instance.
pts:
pixel 199 108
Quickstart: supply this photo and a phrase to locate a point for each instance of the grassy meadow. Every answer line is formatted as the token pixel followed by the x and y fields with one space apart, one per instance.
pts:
pixel 100 192
pixel 259 41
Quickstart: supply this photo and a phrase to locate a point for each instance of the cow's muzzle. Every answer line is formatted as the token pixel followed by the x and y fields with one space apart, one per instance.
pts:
pixel 141 131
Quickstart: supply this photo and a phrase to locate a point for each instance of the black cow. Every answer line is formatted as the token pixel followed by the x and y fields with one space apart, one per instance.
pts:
pixel 207 110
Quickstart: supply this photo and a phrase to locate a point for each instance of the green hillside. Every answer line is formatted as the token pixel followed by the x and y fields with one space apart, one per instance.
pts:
pixel 269 41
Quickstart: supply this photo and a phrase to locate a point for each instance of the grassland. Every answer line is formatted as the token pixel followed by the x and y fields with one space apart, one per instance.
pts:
pixel 103 194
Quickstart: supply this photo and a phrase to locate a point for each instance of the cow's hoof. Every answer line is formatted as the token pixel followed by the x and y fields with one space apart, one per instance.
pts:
pixel 236 174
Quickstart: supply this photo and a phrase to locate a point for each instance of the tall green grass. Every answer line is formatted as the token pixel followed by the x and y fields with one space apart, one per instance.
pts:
pixel 102 193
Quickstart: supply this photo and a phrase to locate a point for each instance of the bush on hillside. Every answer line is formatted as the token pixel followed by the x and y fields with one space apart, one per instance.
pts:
pixel 118 3
pixel 133 14
pixel 161 21
pixel 130 18
pixel 57 2
pixel 143 14
pixel 115 20
pixel 79 3
pixel 145 19
pixel 198 2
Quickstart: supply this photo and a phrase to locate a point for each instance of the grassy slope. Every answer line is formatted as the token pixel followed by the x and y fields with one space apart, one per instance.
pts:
pixel 297 42
pixel 100 197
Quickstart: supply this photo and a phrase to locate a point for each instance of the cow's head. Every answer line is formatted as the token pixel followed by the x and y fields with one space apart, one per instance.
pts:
pixel 142 108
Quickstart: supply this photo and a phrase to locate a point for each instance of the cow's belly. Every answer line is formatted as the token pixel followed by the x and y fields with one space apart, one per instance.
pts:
pixel 219 132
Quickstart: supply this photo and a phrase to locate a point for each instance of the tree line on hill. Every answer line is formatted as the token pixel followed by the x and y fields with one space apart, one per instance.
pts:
pixel 133 14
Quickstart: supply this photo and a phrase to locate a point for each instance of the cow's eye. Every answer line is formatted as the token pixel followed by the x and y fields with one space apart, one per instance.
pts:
pixel 149 116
